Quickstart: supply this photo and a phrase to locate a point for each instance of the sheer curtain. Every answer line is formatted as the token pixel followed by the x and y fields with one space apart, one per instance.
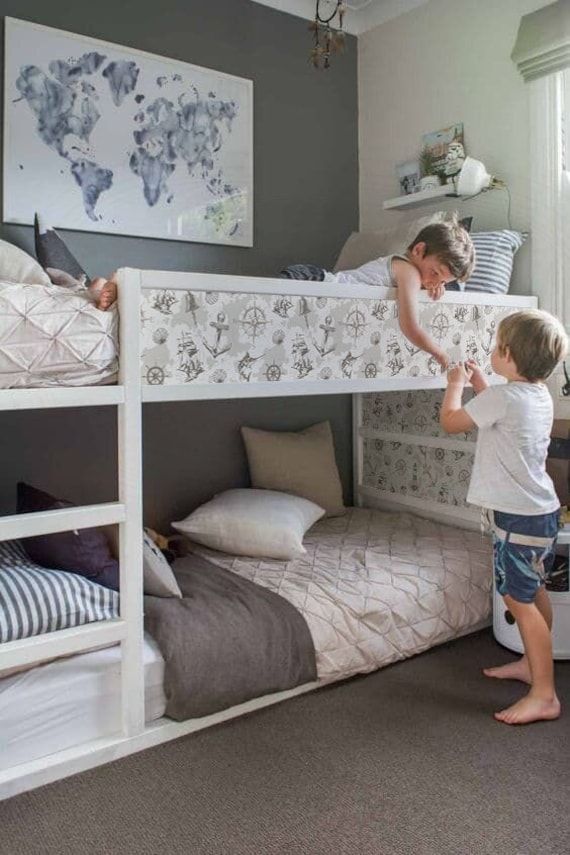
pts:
pixel 550 192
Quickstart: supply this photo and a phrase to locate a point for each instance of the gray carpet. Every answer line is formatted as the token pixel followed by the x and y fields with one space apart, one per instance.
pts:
pixel 406 761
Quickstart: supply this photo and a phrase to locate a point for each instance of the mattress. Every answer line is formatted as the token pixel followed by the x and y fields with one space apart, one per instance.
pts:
pixel 71 701
pixel 375 587
pixel 51 336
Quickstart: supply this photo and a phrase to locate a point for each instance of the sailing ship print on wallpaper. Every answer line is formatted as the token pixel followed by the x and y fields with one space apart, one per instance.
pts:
pixel 125 142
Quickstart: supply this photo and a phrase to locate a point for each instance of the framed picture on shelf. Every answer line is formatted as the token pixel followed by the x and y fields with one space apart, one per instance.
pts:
pixel 124 142
pixel 408 177
pixel 447 148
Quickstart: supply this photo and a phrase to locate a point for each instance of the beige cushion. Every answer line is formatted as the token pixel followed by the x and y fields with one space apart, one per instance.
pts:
pixel 302 463
pixel 259 523
pixel 362 247
pixel 19 267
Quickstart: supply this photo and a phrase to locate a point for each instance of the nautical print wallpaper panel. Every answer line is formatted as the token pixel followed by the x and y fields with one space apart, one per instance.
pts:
pixel 218 337
pixel 436 474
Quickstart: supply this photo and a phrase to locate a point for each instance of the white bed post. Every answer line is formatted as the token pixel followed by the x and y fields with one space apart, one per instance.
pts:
pixel 130 494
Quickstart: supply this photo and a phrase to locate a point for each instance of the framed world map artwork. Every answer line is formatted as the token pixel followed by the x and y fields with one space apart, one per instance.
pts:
pixel 99 137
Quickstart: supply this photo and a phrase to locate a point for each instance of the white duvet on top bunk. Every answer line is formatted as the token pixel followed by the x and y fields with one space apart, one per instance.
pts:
pixel 51 336
pixel 377 587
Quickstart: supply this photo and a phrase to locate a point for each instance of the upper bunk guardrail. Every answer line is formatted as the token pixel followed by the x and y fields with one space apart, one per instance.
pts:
pixel 210 336
pixel 225 283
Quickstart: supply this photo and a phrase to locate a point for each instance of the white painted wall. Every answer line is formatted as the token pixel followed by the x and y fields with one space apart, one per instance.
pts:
pixel 446 61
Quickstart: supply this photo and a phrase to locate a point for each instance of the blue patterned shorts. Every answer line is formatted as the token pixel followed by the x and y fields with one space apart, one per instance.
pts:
pixel 521 570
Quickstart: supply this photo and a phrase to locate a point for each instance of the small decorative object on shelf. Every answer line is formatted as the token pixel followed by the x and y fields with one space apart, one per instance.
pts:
pixel 430 178
pixel 408 177
pixel 447 149
pixel 474 179
pixel 328 37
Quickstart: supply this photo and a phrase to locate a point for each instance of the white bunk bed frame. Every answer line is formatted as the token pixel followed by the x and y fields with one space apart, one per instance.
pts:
pixel 127 513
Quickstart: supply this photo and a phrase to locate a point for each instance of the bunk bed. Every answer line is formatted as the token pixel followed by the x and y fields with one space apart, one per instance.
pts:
pixel 190 336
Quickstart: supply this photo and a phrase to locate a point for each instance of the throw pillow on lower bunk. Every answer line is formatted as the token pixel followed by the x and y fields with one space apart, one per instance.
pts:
pixel 300 462
pixel 258 523
pixel 34 599
pixel 159 580
pixel 85 551
pixel 494 256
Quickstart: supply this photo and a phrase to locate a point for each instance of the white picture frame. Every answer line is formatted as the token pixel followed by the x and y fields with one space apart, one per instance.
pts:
pixel 129 142
pixel 409 177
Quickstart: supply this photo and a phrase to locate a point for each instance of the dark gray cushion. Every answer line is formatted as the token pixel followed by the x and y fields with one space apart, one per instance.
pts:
pixel 55 257
pixel 85 552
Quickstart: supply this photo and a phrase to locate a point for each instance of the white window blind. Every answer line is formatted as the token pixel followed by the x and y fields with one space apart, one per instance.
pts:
pixel 550 192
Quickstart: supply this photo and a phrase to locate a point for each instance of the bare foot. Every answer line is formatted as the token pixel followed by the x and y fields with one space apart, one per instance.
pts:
pixel 518 670
pixel 104 293
pixel 530 709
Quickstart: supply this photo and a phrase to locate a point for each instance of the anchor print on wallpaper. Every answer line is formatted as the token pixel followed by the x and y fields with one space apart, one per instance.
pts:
pixel 109 139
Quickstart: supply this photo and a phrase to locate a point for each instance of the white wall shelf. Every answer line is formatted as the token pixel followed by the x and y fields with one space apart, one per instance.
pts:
pixel 424 197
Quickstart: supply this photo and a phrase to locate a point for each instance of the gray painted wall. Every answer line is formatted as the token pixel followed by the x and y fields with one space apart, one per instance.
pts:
pixel 306 204
pixel 191 450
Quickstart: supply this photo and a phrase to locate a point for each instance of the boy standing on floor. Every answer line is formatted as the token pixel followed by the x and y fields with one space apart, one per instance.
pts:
pixel 509 480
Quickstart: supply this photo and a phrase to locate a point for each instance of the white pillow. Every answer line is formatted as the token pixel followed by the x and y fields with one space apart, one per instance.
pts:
pixel 17 266
pixel 158 578
pixel 260 523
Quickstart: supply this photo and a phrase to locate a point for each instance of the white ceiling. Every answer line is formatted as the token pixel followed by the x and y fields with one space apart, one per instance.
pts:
pixel 361 15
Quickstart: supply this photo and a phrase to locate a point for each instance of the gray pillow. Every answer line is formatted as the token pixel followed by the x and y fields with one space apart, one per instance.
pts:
pixel 159 580
pixel 56 259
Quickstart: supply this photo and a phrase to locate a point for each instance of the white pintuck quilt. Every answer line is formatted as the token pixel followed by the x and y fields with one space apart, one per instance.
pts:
pixel 376 587
pixel 51 336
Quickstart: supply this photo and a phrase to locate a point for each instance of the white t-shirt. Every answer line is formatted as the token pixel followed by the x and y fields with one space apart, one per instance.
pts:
pixel 509 475
pixel 377 272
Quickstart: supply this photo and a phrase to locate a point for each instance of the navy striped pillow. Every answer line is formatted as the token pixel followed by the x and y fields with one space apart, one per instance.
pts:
pixel 34 600
pixel 494 253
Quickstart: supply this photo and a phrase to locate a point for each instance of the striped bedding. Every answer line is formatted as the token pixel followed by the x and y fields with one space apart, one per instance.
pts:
pixel 35 600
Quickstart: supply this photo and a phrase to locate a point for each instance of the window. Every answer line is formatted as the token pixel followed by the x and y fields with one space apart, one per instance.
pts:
pixel 550 192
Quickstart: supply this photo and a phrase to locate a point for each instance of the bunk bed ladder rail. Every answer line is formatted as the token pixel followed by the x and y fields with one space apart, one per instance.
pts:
pixel 130 495
pixel 126 513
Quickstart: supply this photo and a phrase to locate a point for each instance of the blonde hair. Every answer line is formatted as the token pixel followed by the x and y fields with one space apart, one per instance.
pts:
pixel 451 245
pixel 536 341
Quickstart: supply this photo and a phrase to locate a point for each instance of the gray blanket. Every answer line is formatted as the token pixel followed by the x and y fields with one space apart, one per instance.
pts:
pixel 226 641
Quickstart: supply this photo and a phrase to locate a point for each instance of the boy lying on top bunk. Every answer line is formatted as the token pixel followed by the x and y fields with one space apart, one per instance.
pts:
pixel 439 254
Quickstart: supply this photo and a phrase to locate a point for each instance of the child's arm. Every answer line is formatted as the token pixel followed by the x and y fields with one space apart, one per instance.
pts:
pixel 453 417
pixel 409 287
